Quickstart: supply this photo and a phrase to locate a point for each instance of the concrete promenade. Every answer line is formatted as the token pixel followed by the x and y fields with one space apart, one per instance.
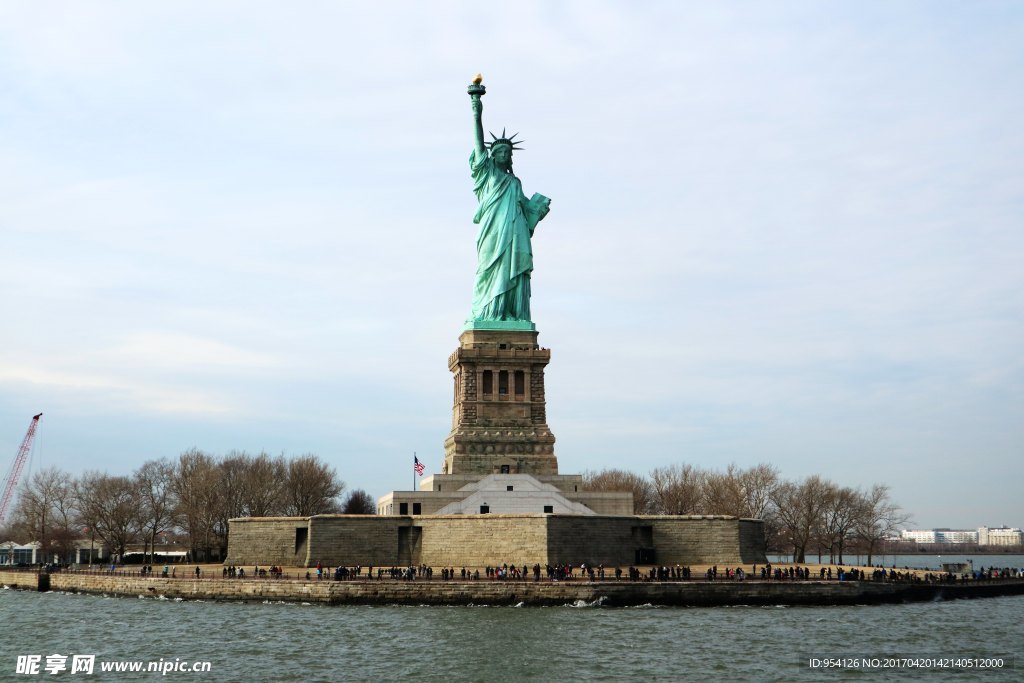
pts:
pixel 610 593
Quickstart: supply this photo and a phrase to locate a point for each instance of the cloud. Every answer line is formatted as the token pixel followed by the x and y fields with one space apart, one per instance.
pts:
pixel 109 393
pixel 789 232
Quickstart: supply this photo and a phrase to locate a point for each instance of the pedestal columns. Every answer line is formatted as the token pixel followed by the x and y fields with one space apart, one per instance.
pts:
pixel 499 417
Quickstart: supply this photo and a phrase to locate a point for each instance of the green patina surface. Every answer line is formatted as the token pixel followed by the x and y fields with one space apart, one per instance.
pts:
pixel 507 219
pixel 500 325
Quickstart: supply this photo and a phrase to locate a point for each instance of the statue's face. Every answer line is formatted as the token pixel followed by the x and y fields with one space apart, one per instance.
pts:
pixel 502 154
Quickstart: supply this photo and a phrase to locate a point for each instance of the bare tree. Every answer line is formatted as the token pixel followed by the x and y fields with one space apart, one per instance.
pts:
pixel 195 484
pixel 878 516
pixel 264 487
pixel 775 538
pixel 312 487
pixel 233 470
pixel 358 502
pixel 722 493
pixel 232 476
pixel 45 513
pixel 678 489
pixel 839 516
pixel 621 480
pixel 740 493
pixel 798 511
pixel 758 484
pixel 155 482
pixel 212 491
pixel 112 506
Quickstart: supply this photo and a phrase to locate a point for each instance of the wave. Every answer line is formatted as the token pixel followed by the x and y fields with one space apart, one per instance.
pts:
pixel 600 600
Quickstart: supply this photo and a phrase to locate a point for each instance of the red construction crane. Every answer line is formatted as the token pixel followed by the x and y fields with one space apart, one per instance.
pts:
pixel 11 482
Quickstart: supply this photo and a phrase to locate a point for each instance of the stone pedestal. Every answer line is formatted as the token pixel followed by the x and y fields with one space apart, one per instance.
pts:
pixel 499 418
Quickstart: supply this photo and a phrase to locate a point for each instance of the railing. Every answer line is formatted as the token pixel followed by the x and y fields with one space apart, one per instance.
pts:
pixel 394 574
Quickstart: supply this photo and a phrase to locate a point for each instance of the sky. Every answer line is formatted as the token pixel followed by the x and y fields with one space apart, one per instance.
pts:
pixel 780 232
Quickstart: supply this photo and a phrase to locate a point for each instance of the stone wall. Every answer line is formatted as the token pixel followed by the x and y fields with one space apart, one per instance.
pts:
pixel 267 541
pixel 483 592
pixel 593 540
pixel 356 539
pixel 25 580
pixel 525 454
pixel 605 502
pixel 702 539
pixel 480 540
pixel 507 426
pixel 752 542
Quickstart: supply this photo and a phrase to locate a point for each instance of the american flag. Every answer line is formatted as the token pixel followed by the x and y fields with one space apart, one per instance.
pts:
pixel 417 465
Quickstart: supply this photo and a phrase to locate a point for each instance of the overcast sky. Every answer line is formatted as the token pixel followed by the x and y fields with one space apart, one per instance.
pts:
pixel 780 232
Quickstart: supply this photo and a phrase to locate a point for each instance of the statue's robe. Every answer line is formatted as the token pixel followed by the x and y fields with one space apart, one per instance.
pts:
pixel 504 255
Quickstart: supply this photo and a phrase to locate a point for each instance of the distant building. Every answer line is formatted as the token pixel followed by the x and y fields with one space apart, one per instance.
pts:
pixel 939 535
pixel 161 554
pixel 12 553
pixel 983 536
pixel 956 536
pixel 466 494
pixel 1000 536
pixel 89 551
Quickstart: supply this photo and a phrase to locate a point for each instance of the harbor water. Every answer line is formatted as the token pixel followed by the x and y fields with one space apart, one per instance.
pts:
pixel 297 642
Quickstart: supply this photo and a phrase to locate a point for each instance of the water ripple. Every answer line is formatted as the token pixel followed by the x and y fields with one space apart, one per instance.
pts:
pixel 310 643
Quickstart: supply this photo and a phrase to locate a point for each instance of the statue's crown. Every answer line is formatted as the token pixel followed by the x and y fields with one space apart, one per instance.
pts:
pixel 503 140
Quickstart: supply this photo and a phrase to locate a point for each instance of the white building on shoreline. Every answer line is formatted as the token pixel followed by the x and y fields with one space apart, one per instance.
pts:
pixel 982 536
pixel 1000 536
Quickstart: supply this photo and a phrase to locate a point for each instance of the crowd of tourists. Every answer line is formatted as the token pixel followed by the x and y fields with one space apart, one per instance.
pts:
pixel 233 572
pixel 585 572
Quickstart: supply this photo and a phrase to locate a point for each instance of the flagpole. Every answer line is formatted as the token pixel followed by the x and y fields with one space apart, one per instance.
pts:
pixel 414 471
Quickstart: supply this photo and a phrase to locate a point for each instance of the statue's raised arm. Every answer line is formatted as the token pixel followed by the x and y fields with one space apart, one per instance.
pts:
pixel 507 219
pixel 476 91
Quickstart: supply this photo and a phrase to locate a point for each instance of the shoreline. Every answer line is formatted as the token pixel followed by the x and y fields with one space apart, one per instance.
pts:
pixel 608 593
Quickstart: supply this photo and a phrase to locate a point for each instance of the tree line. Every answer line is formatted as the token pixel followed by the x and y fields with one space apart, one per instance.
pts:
pixel 191 497
pixel 810 516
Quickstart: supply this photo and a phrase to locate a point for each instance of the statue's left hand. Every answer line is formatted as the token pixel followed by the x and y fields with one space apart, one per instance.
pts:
pixel 544 208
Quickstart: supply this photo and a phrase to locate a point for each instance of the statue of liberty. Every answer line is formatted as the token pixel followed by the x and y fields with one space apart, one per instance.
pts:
pixel 507 219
